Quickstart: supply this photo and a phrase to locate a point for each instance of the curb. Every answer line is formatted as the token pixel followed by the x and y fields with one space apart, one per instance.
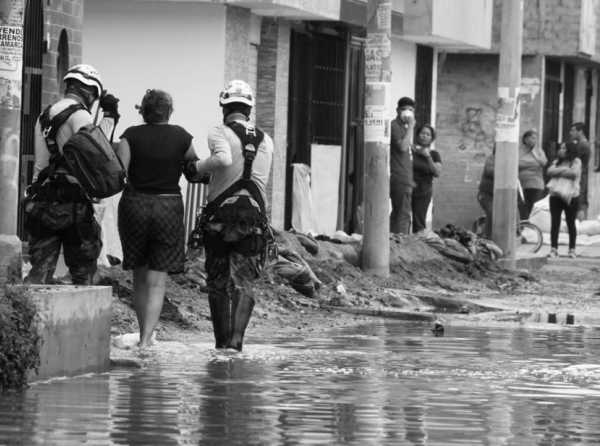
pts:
pixel 529 262
pixel 391 314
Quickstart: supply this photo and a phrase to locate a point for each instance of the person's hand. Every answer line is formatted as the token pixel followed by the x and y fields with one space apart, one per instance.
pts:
pixel 422 150
pixel 110 107
pixel 408 118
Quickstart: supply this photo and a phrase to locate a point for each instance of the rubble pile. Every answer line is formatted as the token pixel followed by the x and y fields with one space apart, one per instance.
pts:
pixel 311 274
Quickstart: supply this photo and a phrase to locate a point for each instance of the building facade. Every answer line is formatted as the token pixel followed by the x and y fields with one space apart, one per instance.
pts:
pixel 559 86
pixel 305 60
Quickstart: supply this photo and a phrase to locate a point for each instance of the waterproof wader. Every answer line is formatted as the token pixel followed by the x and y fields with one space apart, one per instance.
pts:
pixel 235 234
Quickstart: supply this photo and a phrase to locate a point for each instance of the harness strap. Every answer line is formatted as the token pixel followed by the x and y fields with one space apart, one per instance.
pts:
pixel 250 137
pixel 50 127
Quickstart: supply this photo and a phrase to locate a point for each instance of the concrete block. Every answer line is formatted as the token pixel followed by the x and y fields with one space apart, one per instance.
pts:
pixel 74 326
pixel 530 263
pixel 10 260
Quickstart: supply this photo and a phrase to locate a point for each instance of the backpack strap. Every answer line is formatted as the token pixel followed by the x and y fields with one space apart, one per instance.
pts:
pixel 50 127
pixel 250 138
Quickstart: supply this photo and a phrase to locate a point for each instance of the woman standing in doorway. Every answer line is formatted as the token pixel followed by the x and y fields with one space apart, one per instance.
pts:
pixel 427 164
pixel 151 208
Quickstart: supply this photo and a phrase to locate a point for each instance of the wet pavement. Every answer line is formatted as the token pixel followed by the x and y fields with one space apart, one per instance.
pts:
pixel 386 383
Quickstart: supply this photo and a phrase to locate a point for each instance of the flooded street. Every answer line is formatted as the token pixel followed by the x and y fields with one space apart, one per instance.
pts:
pixel 385 383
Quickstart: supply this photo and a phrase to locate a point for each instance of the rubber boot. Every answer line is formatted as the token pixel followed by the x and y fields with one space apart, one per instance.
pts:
pixel 242 310
pixel 221 319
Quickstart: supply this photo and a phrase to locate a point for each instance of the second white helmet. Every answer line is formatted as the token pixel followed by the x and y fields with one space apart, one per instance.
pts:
pixel 237 91
pixel 86 74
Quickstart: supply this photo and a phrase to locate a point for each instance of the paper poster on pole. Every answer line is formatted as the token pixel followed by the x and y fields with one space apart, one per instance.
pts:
pixel 378 51
pixel 384 15
pixel 374 123
pixel 11 54
pixel 376 127
pixel 507 116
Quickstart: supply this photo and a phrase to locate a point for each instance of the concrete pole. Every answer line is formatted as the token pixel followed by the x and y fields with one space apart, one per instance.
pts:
pixel 378 76
pixel 11 66
pixel 507 131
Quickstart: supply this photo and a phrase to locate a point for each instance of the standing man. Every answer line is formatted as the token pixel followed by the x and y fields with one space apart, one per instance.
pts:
pixel 59 212
pixel 577 135
pixel 401 163
pixel 234 224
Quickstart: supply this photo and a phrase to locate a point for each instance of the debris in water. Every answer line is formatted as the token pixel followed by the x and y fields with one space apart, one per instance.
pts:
pixel 438 328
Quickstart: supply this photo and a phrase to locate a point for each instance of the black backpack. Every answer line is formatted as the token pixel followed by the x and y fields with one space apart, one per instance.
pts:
pixel 87 155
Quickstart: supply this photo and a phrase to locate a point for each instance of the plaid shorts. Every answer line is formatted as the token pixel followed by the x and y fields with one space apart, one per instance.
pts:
pixel 152 231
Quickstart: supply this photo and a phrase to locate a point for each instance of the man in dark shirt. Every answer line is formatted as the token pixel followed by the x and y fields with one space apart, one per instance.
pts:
pixel 401 180
pixel 577 135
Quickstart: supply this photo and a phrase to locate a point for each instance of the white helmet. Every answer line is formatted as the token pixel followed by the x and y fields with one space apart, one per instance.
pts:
pixel 86 74
pixel 237 91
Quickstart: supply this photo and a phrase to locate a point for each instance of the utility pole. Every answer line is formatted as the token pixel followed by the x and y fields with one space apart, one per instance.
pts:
pixel 11 66
pixel 378 76
pixel 506 164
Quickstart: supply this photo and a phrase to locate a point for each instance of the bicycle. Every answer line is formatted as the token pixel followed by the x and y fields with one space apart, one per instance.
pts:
pixel 529 236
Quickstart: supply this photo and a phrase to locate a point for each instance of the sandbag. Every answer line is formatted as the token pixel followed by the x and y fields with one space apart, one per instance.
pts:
pixel 296 272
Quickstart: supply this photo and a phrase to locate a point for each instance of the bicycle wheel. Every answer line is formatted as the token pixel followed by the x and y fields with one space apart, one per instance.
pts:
pixel 530 238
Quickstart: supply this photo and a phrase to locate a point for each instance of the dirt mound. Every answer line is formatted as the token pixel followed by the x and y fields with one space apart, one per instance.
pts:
pixel 418 273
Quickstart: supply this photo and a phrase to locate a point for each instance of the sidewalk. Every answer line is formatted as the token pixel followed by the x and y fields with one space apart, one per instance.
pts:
pixel 586 254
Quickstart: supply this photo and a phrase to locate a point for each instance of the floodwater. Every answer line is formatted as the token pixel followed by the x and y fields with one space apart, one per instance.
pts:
pixel 386 383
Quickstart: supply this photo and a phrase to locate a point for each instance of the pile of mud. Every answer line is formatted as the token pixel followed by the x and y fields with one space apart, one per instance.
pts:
pixel 420 275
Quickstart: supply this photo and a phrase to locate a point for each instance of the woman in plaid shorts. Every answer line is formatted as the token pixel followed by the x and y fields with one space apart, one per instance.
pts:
pixel 151 208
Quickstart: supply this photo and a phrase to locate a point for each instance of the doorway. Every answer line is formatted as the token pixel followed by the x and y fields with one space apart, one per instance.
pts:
pixel 316 97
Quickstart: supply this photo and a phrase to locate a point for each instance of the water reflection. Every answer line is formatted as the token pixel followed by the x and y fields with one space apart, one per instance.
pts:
pixel 387 383
pixel 145 408
pixel 235 402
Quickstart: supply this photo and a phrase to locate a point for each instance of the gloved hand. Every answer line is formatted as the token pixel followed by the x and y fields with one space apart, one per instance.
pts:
pixel 109 104
pixel 190 171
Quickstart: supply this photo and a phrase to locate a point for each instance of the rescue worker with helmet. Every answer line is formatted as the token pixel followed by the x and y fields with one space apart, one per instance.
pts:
pixel 234 224
pixel 57 210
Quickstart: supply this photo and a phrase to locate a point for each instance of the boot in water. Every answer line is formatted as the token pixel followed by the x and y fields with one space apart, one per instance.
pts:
pixel 242 310
pixel 220 313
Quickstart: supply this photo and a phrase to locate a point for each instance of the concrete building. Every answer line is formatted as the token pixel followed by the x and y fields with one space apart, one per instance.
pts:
pixel 304 58
pixel 560 72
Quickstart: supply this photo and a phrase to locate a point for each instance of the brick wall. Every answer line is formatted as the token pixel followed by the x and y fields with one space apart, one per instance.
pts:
pixel 59 15
pixel 272 105
pixel 549 26
pixel 465 120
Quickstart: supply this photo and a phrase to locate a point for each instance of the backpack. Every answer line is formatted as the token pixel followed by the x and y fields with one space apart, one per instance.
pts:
pixel 87 155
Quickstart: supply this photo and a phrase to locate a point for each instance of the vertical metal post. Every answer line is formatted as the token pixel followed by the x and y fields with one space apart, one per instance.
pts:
pixel 378 76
